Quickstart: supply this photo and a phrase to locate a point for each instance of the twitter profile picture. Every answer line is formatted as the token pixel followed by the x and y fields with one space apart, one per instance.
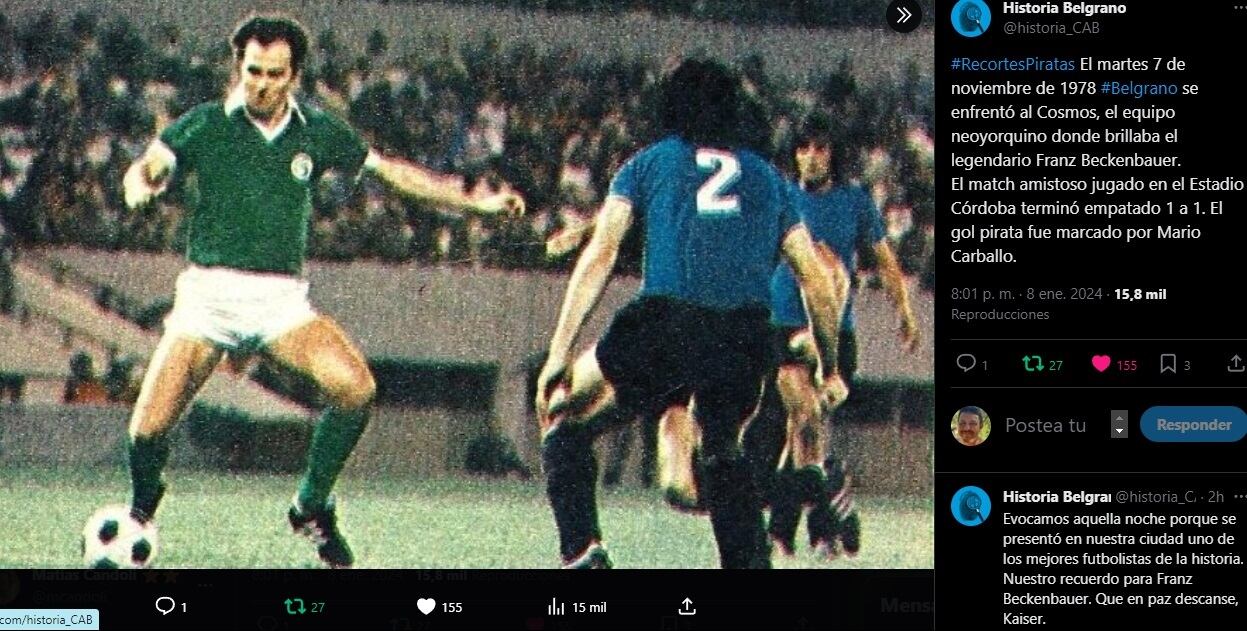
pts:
pixel 971 17
pixel 971 506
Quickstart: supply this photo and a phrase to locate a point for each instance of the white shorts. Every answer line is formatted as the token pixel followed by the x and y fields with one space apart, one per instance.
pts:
pixel 237 309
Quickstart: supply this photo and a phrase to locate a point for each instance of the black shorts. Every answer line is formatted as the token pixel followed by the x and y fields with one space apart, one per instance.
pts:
pixel 658 351
pixel 846 353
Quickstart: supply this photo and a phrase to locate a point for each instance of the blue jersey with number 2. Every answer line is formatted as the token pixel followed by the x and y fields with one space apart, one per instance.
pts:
pixel 714 220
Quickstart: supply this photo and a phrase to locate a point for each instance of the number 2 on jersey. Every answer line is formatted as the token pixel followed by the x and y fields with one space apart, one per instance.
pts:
pixel 724 171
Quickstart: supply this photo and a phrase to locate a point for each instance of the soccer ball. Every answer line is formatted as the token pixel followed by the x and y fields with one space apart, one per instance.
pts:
pixel 112 539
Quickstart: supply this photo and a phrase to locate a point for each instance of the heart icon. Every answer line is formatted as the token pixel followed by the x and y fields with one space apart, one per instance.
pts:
pixel 425 605
pixel 1101 362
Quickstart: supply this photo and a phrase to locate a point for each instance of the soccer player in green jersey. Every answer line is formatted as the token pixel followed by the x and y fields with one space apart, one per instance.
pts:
pixel 257 155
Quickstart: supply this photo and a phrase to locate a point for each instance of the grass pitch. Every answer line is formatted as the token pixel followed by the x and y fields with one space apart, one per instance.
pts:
pixel 214 520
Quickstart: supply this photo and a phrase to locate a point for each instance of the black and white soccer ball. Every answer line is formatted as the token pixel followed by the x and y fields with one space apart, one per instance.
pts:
pixel 112 539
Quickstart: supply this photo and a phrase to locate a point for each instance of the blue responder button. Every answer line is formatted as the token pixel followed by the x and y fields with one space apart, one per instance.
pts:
pixel 1194 424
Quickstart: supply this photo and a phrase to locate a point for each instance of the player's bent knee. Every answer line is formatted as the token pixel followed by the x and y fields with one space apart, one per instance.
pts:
pixel 590 406
pixel 585 383
pixel 353 394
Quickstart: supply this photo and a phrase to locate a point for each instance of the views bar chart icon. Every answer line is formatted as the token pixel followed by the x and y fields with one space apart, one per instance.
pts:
pixel 555 609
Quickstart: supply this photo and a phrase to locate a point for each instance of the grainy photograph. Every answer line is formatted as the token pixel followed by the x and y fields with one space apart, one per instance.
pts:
pixel 465 284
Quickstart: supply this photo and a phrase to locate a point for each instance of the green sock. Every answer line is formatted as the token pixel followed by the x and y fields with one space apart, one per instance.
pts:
pixel 334 438
pixel 148 455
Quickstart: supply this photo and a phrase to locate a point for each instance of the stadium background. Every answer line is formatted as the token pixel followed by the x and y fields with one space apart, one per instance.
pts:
pixel 452 312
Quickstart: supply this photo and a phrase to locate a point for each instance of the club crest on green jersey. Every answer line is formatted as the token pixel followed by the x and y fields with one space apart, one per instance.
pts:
pixel 301 167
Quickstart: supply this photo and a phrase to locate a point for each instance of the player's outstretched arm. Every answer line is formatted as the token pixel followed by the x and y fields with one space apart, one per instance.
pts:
pixel 894 282
pixel 825 283
pixel 421 183
pixel 588 282
pixel 149 176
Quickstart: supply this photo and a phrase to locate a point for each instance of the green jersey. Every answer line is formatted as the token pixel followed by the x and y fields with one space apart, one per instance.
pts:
pixel 255 194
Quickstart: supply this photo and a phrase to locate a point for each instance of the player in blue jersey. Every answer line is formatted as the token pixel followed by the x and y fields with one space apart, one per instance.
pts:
pixel 843 218
pixel 716 219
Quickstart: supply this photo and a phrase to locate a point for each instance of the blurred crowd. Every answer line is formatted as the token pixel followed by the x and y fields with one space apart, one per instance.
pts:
pixel 116 385
pixel 80 98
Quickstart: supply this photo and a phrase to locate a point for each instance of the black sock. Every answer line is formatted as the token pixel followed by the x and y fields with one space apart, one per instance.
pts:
pixel 571 485
pixel 333 439
pixel 735 513
pixel 785 506
pixel 148 455
pixel 810 485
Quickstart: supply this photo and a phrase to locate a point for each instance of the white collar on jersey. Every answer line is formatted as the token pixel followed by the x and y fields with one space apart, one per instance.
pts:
pixel 238 99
